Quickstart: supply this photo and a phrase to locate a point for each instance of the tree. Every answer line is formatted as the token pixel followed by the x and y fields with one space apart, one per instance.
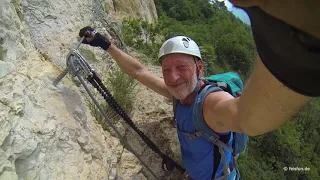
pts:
pixel 220 5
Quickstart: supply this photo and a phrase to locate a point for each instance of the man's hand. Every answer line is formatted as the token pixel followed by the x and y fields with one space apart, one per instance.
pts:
pixel 94 38
pixel 302 14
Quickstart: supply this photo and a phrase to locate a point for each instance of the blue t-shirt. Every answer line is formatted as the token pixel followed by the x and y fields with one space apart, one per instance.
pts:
pixel 197 154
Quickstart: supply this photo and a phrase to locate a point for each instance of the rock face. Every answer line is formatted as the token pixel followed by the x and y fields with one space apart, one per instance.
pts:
pixel 144 9
pixel 153 115
pixel 47 132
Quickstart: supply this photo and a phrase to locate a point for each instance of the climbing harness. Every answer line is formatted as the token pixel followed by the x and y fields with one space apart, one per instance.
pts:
pixel 78 67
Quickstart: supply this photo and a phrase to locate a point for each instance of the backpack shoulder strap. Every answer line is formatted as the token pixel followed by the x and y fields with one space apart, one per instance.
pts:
pixel 198 119
pixel 204 129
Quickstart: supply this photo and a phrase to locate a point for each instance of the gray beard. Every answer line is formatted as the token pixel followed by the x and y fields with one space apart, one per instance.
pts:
pixel 182 94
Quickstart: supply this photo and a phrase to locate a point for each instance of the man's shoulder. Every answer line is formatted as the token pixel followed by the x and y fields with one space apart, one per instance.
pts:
pixel 216 97
pixel 212 112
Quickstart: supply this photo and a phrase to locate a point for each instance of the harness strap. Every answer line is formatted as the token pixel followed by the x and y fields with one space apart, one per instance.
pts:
pixel 225 167
pixel 233 174
pixel 219 143
pixel 191 136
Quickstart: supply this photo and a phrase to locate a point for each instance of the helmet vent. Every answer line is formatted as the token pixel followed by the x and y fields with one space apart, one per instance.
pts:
pixel 186 42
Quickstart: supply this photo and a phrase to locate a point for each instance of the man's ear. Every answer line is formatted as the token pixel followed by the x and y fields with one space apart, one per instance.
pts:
pixel 200 67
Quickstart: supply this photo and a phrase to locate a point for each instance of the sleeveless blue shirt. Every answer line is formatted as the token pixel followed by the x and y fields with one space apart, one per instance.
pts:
pixel 197 155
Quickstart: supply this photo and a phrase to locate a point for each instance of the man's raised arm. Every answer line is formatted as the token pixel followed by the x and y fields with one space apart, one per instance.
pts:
pixel 127 63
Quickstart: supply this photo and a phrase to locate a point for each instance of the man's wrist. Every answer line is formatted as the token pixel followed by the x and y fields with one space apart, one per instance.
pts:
pixel 105 45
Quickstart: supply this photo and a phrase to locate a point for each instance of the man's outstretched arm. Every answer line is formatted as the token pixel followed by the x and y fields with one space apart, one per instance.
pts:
pixel 135 69
pixel 265 105
pixel 290 57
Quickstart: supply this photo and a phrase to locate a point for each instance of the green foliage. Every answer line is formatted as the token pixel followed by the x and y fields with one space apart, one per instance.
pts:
pixel 226 43
pixel 220 5
pixel 121 86
pixel 185 10
pixel 142 35
pixel 295 144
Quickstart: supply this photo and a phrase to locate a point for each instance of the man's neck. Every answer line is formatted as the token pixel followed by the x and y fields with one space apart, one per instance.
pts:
pixel 189 99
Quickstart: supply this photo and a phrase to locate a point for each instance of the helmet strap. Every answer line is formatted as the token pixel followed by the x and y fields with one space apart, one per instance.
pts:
pixel 198 75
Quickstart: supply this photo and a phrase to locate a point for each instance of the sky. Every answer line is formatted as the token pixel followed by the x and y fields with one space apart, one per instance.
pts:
pixel 238 12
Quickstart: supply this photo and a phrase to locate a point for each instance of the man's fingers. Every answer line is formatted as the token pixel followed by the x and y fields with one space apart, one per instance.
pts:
pixel 87 40
pixel 88 34
pixel 86 31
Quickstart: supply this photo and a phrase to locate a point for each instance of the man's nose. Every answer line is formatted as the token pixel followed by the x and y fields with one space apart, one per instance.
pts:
pixel 174 75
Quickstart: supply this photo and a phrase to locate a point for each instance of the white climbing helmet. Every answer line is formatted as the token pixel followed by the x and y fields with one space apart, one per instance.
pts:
pixel 179 44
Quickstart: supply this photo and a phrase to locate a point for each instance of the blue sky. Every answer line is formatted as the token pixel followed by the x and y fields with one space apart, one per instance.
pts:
pixel 237 12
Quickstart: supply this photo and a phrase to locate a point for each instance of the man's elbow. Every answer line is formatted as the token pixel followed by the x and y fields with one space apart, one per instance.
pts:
pixel 251 130
pixel 250 126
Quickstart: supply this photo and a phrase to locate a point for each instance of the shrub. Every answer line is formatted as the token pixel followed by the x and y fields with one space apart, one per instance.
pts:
pixel 121 86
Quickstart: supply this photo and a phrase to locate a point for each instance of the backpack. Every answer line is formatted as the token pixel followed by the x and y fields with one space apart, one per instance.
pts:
pixel 231 83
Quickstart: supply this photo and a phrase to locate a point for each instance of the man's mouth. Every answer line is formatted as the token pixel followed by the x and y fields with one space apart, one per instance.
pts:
pixel 176 85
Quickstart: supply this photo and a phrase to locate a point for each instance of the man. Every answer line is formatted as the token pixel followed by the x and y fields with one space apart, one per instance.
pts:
pixel 181 66
pixel 270 97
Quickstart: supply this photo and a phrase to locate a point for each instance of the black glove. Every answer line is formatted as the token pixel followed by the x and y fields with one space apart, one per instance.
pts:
pixel 97 40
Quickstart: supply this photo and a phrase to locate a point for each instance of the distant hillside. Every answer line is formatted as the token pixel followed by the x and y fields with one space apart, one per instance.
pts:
pixel 226 42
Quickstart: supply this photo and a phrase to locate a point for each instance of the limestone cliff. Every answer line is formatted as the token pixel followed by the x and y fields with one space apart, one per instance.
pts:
pixel 47 132
pixel 136 9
